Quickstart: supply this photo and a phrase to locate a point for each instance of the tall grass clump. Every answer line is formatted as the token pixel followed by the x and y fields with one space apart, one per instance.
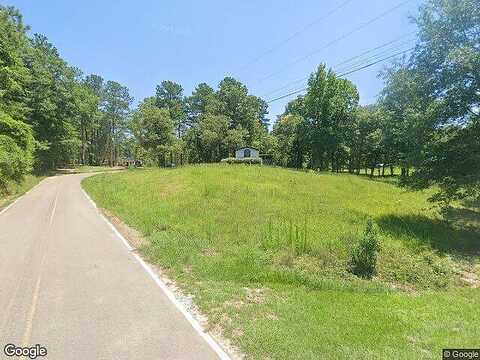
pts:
pixel 363 262
pixel 287 235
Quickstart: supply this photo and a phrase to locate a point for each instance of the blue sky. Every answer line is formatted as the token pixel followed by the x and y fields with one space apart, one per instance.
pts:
pixel 140 43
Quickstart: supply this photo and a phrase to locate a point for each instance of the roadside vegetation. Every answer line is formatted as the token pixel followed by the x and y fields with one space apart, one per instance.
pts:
pixel 15 189
pixel 268 254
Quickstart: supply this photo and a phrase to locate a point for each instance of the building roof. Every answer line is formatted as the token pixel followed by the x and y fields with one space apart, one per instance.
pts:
pixel 247 147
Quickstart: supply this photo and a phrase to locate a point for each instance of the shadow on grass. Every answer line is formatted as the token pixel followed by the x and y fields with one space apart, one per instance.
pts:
pixel 465 218
pixel 436 234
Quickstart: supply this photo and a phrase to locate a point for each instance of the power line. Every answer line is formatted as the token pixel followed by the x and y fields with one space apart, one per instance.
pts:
pixel 342 37
pixel 380 54
pixel 356 57
pixel 388 47
pixel 295 34
pixel 343 74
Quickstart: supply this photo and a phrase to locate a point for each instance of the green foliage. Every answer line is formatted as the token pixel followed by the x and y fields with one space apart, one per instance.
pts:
pixel 154 128
pixel 363 260
pixel 292 141
pixel 14 75
pixel 15 189
pixel 169 95
pixel 211 125
pixel 249 161
pixel 433 101
pixel 329 104
pixel 20 132
pixel 16 146
pixel 73 118
pixel 14 162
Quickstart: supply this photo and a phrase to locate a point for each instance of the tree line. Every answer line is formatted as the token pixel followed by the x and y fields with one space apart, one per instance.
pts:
pixel 425 122
pixel 206 126
pixel 51 114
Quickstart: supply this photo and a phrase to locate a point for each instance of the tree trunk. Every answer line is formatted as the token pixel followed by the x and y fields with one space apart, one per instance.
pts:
pixel 83 131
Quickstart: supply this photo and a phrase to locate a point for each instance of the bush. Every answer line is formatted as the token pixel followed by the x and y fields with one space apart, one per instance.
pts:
pixel 363 260
pixel 14 163
pixel 20 132
pixel 16 146
pixel 252 161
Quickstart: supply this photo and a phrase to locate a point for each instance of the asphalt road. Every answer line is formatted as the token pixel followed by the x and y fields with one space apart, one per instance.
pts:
pixel 69 284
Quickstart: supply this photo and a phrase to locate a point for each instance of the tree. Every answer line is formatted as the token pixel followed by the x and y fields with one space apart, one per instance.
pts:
pixel 87 107
pixel 296 107
pixel 292 140
pixel 201 101
pixel 329 104
pixel 447 63
pixel 116 108
pixel 52 105
pixel 14 75
pixel 169 95
pixel 409 111
pixel 243 110
pixel 16 148
pixel 154 129
pixel 208 140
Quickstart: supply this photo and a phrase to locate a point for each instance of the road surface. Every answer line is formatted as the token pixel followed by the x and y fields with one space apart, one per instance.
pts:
pixel 69 284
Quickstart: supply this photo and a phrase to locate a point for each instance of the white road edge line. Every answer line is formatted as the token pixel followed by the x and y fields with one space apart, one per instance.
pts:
pixel 21 196
pixel 193 322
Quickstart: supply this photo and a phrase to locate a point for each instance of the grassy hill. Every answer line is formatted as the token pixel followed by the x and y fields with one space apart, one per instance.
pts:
pixel 265 252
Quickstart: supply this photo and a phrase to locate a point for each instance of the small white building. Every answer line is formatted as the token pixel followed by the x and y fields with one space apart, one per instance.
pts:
pixel 247 152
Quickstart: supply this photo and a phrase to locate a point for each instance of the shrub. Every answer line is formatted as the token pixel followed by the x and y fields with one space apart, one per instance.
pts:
pixel 14 163
pixel 20 132
pixel 252 161
pixel 363 260
pixel 16 146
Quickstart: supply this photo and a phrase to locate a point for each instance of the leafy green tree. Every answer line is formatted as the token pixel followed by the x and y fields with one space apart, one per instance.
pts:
pixel 14 75
pixel 409 112
pixel 292 141
pixel 16 148
pixel 209 139
pixel 296 107
pixel 87 109
pixel 117 101
pixel 437 95
pixel 243 110
pixel 202 101
pixel 52 105
pixel 154 129
pixel 330 104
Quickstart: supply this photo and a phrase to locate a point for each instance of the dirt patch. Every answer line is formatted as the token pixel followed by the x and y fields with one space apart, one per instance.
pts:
pixel 271 316
pixel 237 304
pixel 470 279
pixel 134 237
pixel 405 288
pixel 255 296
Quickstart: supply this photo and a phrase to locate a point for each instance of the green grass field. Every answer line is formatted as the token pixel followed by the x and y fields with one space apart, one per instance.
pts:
pixel 265 253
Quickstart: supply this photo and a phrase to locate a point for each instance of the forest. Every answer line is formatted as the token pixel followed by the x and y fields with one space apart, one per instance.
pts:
pixel 426 122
